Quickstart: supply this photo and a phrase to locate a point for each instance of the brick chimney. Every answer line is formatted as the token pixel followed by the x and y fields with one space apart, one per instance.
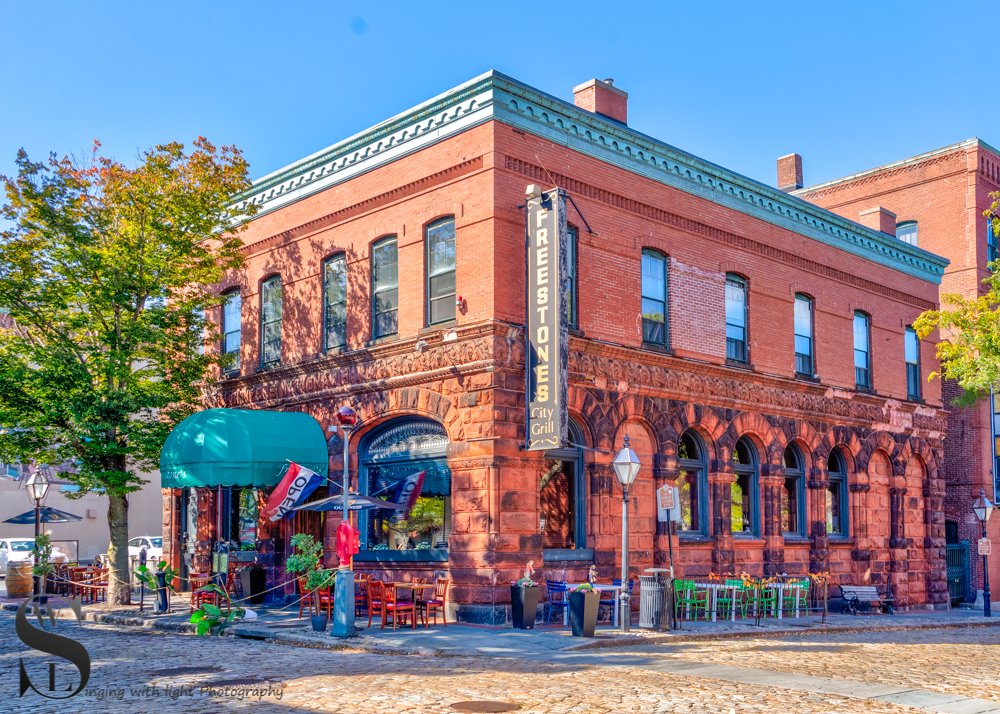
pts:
pixel 878 219
pixel 789 172
pixel 602 97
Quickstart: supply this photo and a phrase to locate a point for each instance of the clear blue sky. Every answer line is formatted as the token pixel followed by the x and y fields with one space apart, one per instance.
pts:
pixel 849 85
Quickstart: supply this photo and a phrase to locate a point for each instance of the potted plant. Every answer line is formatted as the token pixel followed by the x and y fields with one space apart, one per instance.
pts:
pixel 305 558
pixel 583 603
pixel 42 555
pixel 210 619
pixel 158 582
pixel 524 599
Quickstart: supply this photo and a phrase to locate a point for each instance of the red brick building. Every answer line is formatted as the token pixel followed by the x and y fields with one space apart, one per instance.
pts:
pixel 936 200
pixel 712 319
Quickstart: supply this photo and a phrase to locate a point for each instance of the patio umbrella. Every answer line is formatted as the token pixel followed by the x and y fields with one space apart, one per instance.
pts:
pixel 355 502
pixel 47 514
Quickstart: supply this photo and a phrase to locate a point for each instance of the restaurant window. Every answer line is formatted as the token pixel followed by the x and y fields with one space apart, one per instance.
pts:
pixel 793 493
pixel 907 232
pixel 804 364
pixel 654 298
pixel 562 496
pixel 862 351
pixel 335 302
pixel 270 322
pixel 440 241
pixel 572 316
pixel 912 355
pixel 836 495
pixel 743 504
pixel 736 318
pixel 232 331
pixel 992 247
pixel 404 463
pixel 692 484
pixel 385 288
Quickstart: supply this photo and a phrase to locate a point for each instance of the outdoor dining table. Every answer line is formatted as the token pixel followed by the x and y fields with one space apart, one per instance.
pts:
pixel 714 589
pixel 414 588
pixel 602 588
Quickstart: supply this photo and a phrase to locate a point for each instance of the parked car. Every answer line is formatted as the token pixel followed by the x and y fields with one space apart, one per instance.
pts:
pixel 153 545
pixel 14 550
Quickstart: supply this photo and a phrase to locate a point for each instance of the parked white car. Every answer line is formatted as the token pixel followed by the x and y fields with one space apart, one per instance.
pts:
pixel 14 550
pixel 153 545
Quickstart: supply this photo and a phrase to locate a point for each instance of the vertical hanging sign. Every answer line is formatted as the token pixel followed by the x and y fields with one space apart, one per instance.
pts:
pixel 547 330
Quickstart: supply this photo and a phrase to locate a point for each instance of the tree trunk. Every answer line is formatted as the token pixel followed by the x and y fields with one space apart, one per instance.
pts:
pixel 119 592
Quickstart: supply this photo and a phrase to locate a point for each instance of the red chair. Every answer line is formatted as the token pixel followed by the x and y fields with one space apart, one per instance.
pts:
pixel 324 599
pixel 397 608
pixel 198 582
pixel 375 591
pixel 436 603
pixel 305 596
pixel 360 593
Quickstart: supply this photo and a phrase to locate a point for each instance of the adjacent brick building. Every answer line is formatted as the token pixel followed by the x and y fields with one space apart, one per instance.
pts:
pixel 712 321
pixel 937 200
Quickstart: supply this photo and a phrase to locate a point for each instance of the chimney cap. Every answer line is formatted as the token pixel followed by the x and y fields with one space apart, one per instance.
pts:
pixel 605 84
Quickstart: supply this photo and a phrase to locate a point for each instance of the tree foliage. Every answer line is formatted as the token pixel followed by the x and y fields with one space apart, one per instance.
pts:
pixel 969 350
pixel 105 275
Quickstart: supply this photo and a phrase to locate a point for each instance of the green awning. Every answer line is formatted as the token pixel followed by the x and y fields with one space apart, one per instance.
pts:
pixel 240 447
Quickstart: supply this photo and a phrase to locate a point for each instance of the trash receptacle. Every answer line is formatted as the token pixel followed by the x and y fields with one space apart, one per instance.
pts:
pixel 650 601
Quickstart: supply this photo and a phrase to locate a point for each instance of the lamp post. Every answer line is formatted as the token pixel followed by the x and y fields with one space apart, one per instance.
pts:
pixel 343 583
pixel 983 509
pixel 626 466
pixel 37 487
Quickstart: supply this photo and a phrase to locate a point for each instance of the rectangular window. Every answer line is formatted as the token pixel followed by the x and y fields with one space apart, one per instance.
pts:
pixel 440 240
pixel 232 330
pixel 571 277
pixel 385 288
pixel 862 358
pixel 992 249
pixel 912 356
pixel 804 336
pixel 736 319
pixel 335 302
pixel 654 298
pixel 907 232
pixel 270 322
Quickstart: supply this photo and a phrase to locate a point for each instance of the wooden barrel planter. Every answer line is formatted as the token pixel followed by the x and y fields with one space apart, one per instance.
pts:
pixel 19 580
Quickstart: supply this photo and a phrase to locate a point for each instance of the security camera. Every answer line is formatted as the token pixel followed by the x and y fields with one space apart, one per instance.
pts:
pixel 421 346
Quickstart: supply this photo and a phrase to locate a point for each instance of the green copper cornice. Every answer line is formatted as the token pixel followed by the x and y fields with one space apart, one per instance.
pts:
pixel 494 96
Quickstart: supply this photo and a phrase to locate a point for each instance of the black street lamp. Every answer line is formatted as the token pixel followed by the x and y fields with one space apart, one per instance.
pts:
pixel 983 509
pixel 37 487
pixel 626 466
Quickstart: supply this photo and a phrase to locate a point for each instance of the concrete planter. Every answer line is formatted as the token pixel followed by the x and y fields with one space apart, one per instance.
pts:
pixel 524 606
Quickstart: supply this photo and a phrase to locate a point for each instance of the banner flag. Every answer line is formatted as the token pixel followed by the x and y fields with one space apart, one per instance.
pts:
pixel 410 492
pixel 297 485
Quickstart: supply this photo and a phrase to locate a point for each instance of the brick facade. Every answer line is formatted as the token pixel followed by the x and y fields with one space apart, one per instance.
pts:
pixel 468 375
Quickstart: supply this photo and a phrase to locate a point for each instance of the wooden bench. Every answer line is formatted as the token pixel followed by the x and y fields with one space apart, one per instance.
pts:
pixel 862 597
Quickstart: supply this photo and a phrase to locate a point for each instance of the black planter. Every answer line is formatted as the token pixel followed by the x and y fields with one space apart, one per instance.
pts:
pixel 319 622
pixel 161 592
pixel 523 606
pixel 583 612
pixel 253 582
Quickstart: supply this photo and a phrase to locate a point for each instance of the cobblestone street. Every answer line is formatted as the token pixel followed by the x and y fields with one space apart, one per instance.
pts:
pixel 145 671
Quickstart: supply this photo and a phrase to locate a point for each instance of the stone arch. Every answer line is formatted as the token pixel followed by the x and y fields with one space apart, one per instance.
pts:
pixel 804 434
pixel 704 420
pixel 601 426
pixel 847 440
pixel 880 441
pixel 916 446
pixel 768 441
pixel 375 408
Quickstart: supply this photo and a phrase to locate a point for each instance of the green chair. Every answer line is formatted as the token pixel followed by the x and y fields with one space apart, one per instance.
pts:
pixel 688 599
pixel 732 595
pixel 788 599
pixel 765 599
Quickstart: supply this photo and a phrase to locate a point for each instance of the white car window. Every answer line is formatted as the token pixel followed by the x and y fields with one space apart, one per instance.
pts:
pixel 3 545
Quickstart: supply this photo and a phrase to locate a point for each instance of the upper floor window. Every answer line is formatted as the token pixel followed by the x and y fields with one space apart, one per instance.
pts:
pixel 440 241
pixel 385 288
pixel 232 330
pixel 862 351
pixel 270 322
pixel 736 318
pixel 793 493
pixel 992 248
pixel 335 302
pixel 907 232
pixel 912 356
pixel 572 317
pixel 654 297
pixel 804 335
pixel 743 507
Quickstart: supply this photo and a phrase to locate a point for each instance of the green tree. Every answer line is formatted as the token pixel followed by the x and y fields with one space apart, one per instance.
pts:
pixel 105 274
pixel 969 350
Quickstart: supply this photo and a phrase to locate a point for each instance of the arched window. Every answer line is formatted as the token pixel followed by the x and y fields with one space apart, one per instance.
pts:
pixel 744 489
pixel 793 494
pixel 562 497
pixel 335 302
pixel 232 331
pixel 736 319
pixel 692 483
pixel 836 495
pixel 655 328
pixel 403 462
pixel 385 288
pixel 906 231
pixel 270 322
pixel 439 238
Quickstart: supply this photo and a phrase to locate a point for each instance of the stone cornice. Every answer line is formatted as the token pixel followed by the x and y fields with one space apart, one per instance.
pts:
pixel 494 96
